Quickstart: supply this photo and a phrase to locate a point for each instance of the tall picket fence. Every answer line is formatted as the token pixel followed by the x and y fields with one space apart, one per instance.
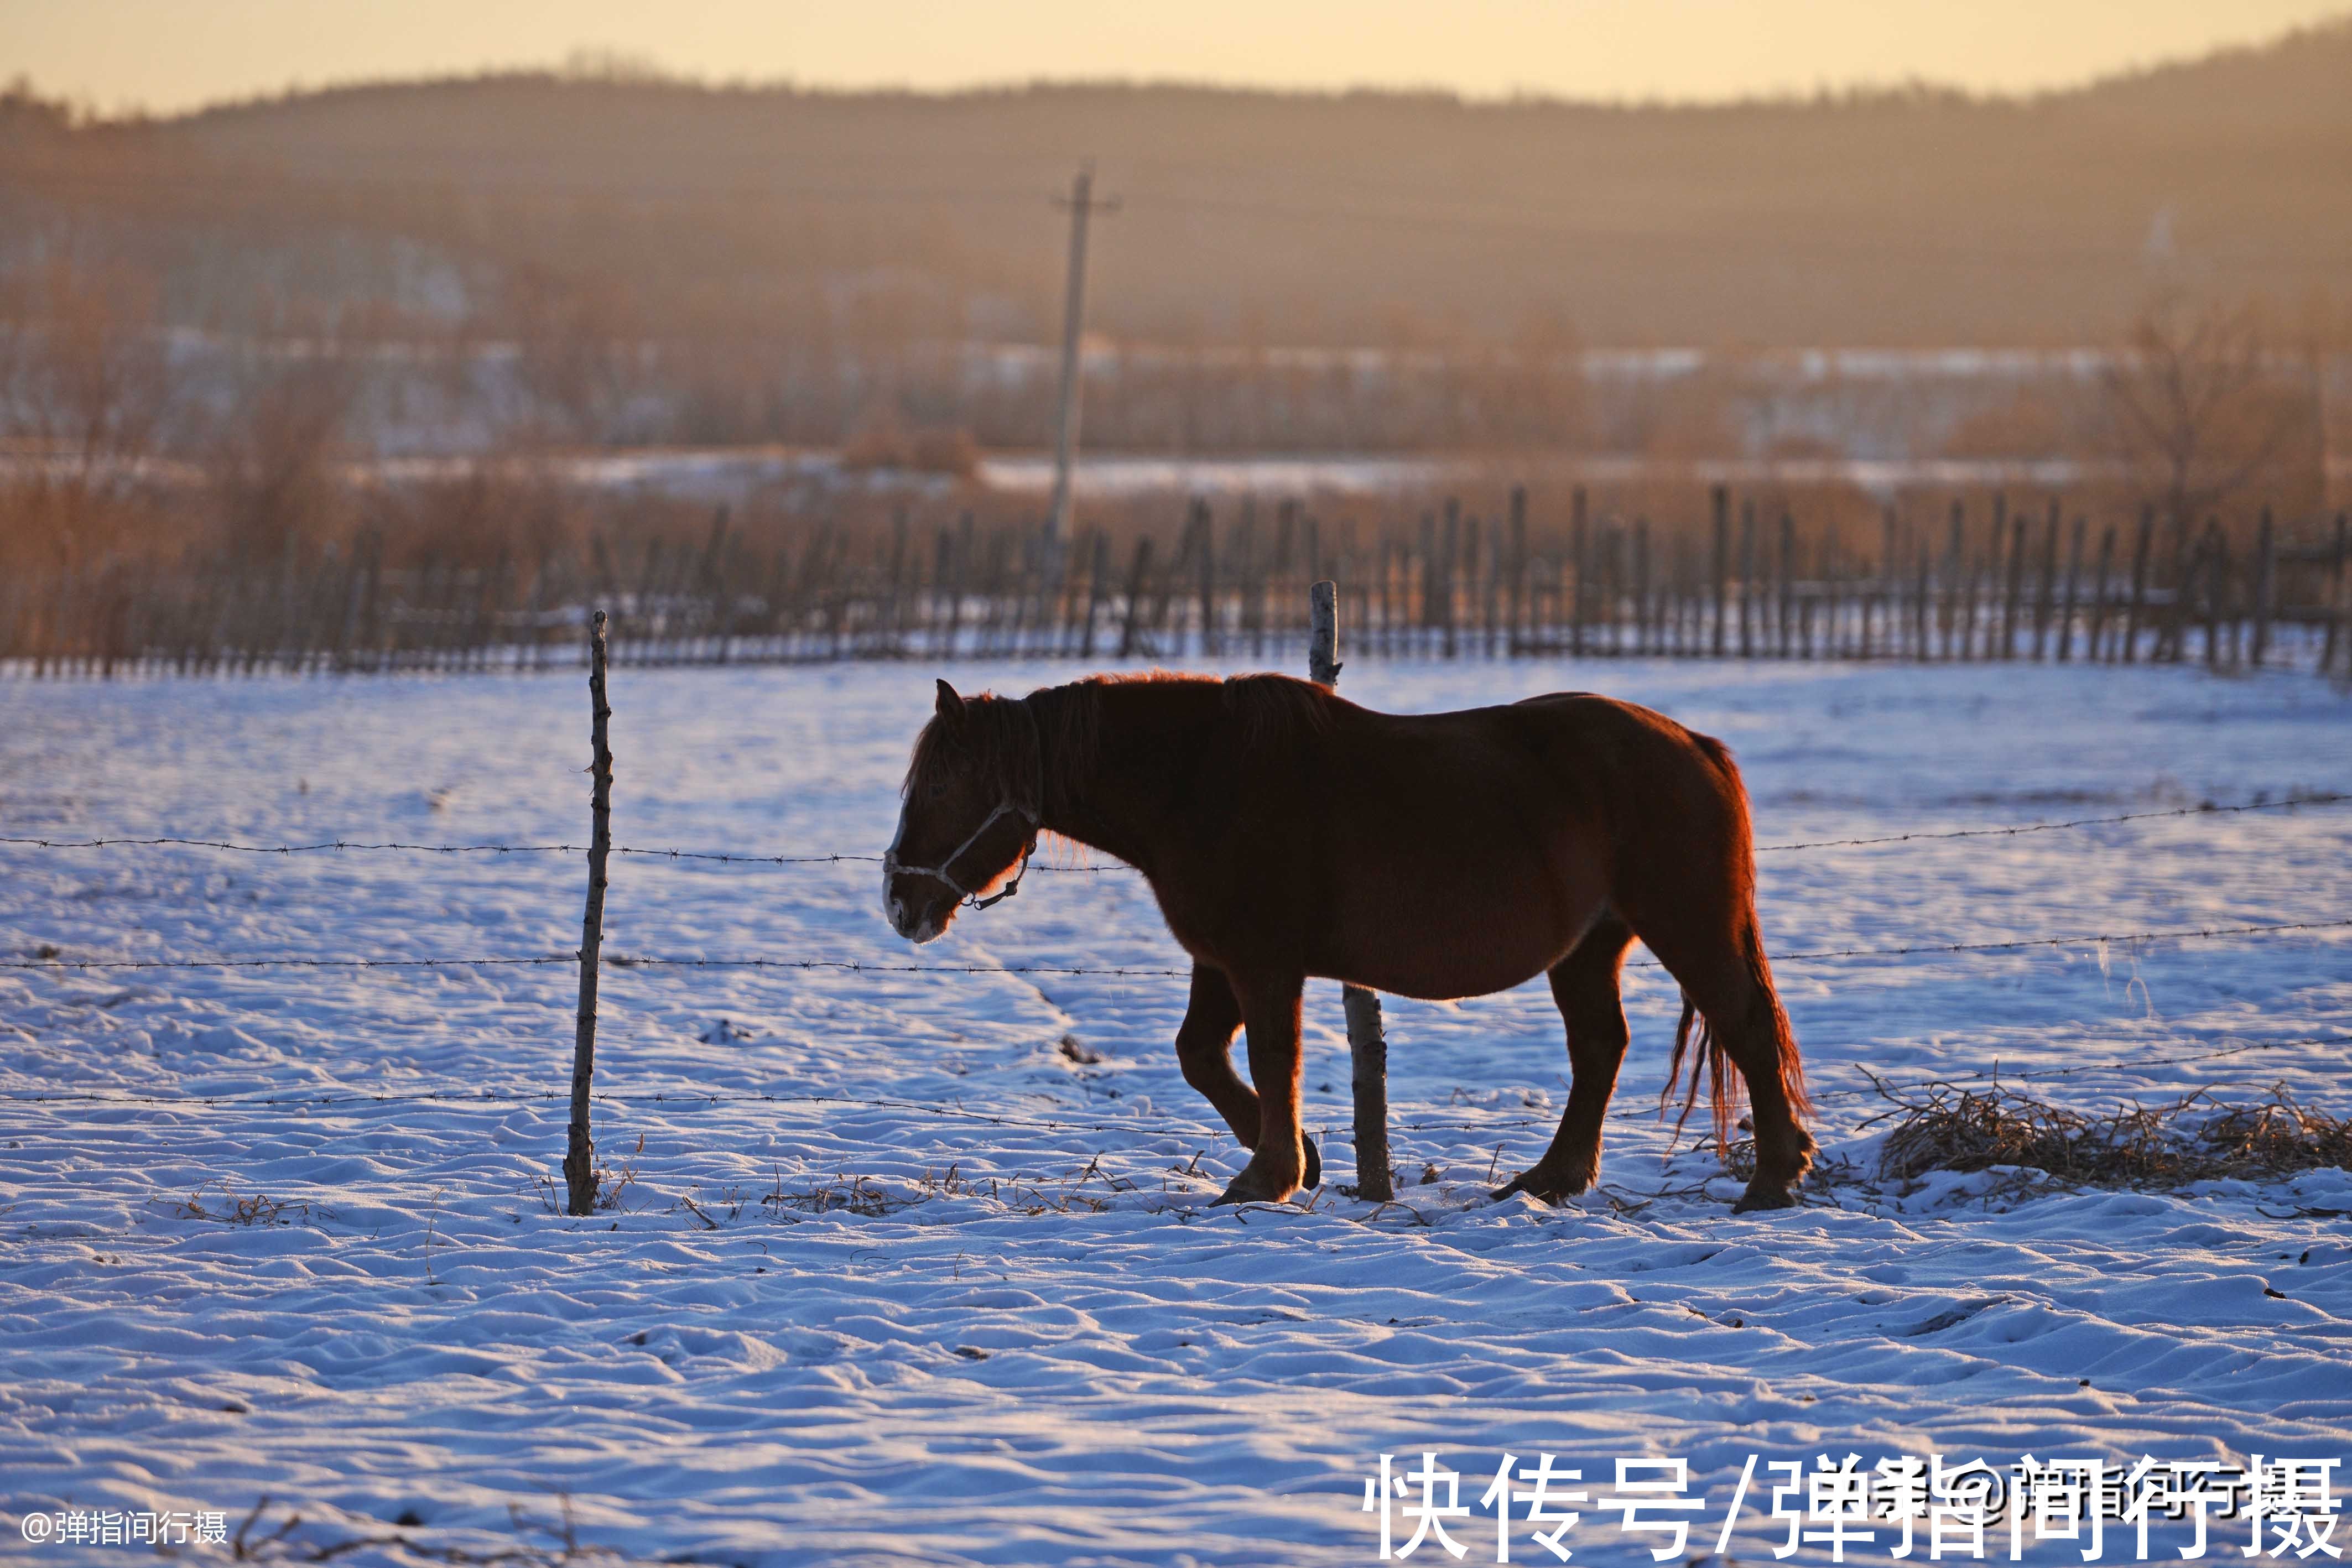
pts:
pixel 1986 583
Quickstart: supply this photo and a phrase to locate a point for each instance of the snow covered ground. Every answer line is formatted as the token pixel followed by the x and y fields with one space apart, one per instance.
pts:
pixel 902 1277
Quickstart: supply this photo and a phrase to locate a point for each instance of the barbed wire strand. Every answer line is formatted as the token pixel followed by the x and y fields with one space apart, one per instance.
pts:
pixel 734 857
pixel 634 961
pixel 2336 798
pixel 691 1098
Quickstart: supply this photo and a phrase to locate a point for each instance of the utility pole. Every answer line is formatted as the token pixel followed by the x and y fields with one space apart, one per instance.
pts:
pixel 1082 204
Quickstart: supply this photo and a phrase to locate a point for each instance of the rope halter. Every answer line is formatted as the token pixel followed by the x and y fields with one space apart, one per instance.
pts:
pixel 944 873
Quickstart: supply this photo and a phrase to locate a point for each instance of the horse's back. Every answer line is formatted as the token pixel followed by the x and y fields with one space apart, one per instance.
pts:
pixel 1572 744
pixel 1504 830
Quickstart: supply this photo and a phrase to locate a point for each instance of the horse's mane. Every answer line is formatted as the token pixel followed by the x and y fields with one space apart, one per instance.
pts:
pixel 1008 736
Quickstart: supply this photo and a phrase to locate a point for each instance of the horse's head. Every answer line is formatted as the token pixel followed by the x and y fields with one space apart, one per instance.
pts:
pixel 970 814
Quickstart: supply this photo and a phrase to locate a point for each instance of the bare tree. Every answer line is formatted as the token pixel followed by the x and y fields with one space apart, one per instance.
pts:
pixel 271 462
pixel 578 357
pixel 2200 406
pixel 91 373
pixel 85 394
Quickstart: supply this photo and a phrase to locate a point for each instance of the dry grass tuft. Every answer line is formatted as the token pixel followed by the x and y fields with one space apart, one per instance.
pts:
pixel 2193 1139
pixel 842 1195
pixel 251 1209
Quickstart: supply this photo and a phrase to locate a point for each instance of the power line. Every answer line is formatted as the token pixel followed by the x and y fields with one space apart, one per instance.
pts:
pixel 473 185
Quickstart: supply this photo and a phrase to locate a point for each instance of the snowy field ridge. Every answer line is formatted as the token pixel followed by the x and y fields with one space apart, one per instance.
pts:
pixel 916 1266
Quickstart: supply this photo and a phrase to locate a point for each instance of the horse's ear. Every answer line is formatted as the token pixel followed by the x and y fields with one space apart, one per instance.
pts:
pixel 951 706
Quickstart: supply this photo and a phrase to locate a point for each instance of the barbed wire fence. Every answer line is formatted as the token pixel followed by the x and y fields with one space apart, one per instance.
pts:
pixel 696 1098
pixel 2203 808
pixel 852 966
pixel 52 959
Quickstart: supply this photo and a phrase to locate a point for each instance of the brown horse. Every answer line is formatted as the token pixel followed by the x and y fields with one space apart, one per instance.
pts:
pixel 1288 832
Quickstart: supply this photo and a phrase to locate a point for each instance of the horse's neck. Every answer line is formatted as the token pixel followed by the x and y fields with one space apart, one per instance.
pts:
pixel 1117 800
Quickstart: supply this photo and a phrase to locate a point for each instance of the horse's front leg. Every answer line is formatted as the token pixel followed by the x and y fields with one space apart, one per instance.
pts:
pixel 1283 1159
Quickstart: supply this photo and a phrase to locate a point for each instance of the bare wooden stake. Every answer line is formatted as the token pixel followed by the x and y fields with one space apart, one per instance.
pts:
pixel 579 1151
pixel 1368 1053
pixel 1368 1049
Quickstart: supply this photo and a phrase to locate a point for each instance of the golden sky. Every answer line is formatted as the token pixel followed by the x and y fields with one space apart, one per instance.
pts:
pixel 168 55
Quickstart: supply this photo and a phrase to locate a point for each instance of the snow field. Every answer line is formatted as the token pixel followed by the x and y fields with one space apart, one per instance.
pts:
pixel 979 1313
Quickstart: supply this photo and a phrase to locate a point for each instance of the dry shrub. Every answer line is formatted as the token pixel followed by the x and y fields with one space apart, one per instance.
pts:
pixel 954 454
pixel 842 1195
pixel 2193 1139
pixel 250 1208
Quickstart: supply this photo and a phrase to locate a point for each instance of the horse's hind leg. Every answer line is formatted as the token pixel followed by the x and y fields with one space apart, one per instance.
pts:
pixel 1584 984
pixel 1759 1045
pixel 1204 1051
pixel 1720 965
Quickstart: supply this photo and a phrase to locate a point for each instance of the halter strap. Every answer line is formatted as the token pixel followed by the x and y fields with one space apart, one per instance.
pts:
pixel 944 873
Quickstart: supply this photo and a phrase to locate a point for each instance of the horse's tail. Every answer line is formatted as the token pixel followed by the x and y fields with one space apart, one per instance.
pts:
pixel 1726 1089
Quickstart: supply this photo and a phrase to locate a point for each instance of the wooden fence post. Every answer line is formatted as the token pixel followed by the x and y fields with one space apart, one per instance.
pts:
pixel 1444 577
pixel 1519 569
pixel 1721 562
pixel 1206 529
pixel 2339 606
pixel 2213 550
pixel 1578 545
pixel 2098 639
pixel 1644 618
pixel 1786 611
pixel 1368 1049
pixel 1747 579
pixel 2265 589
pixel 2067 601
pixel 2133 617
pixel 2013 595
pixel 1097 592
pixel 2045 591
pixel 1137 575
pixel 579 1151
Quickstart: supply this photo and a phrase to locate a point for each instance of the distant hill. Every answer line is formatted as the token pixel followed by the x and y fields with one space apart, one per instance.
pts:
pixel 1908 218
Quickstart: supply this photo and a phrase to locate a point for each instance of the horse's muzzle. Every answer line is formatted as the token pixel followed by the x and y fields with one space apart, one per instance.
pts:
pixel 910 914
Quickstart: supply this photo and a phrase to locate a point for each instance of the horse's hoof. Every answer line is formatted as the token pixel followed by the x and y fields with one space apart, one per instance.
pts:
pixel 1536 1184
pixel 1761 1196
pixel 1314 1165
pixel 1250 1187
